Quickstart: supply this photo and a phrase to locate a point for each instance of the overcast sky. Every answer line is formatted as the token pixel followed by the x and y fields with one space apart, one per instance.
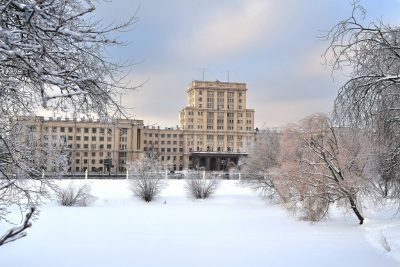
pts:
pixel 272 45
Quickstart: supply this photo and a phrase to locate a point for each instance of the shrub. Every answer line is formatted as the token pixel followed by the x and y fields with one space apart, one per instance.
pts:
pixel 200 187
pixel 73 195
pixel 146 177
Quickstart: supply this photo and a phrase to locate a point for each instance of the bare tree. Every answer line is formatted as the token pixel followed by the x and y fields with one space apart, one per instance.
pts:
pixel 323 164
pixel 370 99
pixel 146 176
pixel 52 56
pixel 258 168
pixel 200 187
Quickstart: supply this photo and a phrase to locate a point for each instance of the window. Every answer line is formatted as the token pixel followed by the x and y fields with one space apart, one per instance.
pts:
pixel 85 161
pixel 93 138
pixel 108 138
pixel 101 146
pixel 70 138
pixel 77 161
pixel 85 154
pixel 108 146
pixel 101 138
pixel 86 138
pixel 101 130
pixel 78 146
pixel 94 130
pixel 62 129
pixel 78 130
pixel 123 131
pixel 86 130
pixel 78 138
pixel 93 154
pixel 85 146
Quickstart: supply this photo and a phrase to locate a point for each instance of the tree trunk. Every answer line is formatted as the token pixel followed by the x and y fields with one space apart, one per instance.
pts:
pixel 355 209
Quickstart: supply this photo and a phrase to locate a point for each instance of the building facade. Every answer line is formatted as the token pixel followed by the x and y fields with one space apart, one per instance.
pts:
pixel 216 124
pixel 93 145
pixel 214 127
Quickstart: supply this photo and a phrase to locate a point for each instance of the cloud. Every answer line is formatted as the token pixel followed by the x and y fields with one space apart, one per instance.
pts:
pixel 231 30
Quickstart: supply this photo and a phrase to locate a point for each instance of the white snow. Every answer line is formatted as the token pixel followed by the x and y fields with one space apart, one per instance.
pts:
pixel 234 228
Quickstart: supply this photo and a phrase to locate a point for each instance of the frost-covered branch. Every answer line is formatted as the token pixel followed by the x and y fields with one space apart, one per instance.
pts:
pixel 16 233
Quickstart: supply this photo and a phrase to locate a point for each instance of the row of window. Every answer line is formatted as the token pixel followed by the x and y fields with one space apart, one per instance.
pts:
pixel 163 142
pixel 165 149
pixel 163 135
pixel 167 158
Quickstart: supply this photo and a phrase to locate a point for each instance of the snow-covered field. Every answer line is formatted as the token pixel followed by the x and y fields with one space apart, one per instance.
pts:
pixel 233 228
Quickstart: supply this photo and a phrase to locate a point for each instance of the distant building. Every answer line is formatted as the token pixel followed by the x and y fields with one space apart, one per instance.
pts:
pixel 213 129
pixel 216 124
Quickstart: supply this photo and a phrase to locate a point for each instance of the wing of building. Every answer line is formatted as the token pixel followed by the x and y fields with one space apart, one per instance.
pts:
pixel 213 129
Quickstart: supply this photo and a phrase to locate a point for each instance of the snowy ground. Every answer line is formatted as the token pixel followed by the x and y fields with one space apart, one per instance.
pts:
pixel 234 228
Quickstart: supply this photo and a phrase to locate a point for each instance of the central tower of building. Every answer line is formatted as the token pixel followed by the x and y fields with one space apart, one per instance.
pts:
pixel 216 124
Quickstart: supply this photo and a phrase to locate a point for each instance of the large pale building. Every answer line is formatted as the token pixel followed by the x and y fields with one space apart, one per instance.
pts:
pixel 216 124
pixel 212 131
pixel 93 145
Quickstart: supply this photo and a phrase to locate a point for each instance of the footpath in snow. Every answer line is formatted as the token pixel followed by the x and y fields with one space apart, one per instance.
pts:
pixel 233 228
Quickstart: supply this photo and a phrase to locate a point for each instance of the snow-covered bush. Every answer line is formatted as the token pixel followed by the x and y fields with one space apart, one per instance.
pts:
pixel 146 177
pixel 200 187
pixel 74 195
